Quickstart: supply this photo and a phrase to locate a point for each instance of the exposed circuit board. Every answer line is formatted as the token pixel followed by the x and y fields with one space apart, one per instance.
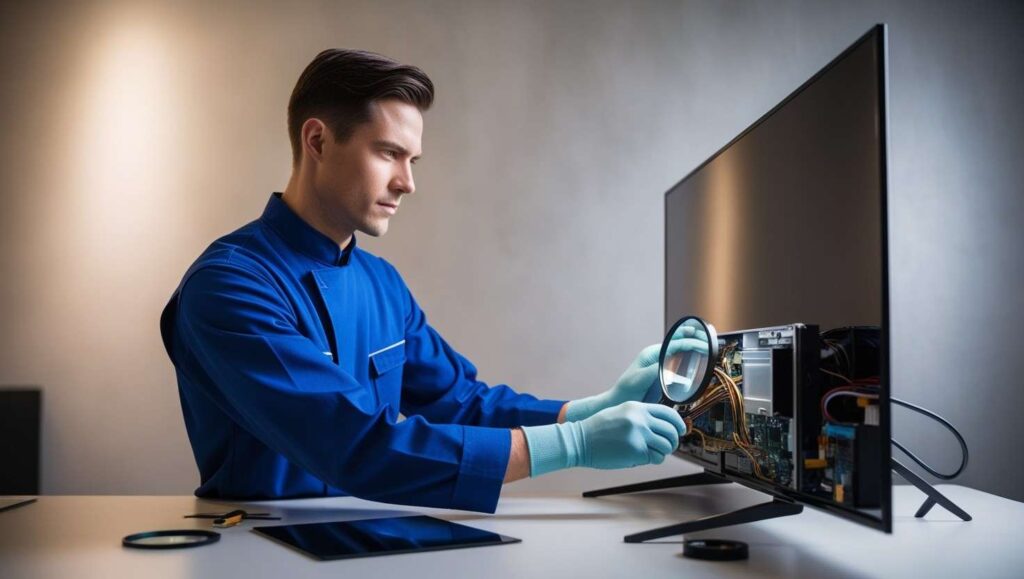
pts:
pixel 769 455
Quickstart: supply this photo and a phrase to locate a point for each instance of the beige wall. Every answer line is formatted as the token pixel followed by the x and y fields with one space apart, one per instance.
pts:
pixel 135 133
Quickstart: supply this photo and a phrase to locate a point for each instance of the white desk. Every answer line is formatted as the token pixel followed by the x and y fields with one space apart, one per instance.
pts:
pixel 567 536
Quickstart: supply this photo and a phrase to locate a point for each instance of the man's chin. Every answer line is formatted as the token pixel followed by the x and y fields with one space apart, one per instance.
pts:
pixel 375 229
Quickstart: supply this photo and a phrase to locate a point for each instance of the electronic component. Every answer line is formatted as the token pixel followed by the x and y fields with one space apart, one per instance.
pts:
pixel 852 464
pixel 768 380
pixel 750 424
pixel 746 426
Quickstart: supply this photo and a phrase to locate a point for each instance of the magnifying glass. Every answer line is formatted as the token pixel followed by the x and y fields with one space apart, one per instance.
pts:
pixel 687 360
pixel 178 539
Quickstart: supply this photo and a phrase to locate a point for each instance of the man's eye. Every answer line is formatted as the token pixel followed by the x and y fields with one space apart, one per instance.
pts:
pixel 390 154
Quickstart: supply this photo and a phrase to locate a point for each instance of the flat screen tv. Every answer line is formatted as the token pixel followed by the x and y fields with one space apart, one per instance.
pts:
pixel 779 241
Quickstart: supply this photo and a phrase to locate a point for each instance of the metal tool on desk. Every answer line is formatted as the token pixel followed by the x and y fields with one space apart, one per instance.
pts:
pixel 232 518
pixel 183 538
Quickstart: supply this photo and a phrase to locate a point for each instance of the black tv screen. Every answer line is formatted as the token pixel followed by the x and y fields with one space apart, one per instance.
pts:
pixel 785 226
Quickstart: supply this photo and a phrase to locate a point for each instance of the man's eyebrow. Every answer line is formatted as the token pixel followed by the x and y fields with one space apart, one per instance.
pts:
pixel 384 143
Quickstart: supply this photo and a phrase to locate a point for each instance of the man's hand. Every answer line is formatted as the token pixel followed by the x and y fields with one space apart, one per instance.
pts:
pixel 627 435
pixel 639 383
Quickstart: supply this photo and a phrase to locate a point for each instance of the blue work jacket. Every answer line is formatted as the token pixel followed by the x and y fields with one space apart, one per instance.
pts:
pixel 294 359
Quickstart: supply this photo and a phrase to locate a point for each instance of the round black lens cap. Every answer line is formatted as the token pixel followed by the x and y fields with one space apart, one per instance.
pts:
pixel 181 539
pixel 715 549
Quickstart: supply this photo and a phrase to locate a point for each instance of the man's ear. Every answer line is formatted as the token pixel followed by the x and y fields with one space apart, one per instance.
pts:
pixel 313 134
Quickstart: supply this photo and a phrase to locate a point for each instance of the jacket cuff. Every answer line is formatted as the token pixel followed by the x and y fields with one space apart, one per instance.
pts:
pixel 485 455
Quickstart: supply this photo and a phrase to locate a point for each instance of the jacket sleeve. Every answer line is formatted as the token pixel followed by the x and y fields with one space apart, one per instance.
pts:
pixel 440 385
pixel 275 383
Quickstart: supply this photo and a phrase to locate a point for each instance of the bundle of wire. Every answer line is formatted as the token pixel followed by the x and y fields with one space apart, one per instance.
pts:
pixel 860 388
pixel 724 389
pixel 863 388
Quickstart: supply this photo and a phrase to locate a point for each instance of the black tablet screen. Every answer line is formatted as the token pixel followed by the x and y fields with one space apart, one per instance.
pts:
pixel 385 536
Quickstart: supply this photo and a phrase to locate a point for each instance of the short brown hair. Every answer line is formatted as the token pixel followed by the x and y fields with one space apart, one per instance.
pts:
pixel 340 86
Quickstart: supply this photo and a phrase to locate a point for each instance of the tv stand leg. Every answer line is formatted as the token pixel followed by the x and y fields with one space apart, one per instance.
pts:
pixel 934 496
pixel 774 509
pixel 688 480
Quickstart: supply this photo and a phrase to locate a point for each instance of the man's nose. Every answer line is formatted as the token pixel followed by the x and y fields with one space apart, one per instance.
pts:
pixel 403 182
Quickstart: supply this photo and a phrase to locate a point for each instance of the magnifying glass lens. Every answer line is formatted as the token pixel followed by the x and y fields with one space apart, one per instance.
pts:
pixel 687 359
pixel 170 540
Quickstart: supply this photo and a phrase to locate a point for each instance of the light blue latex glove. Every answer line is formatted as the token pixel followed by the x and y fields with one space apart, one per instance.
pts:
pixel 640 381
pixel 630 434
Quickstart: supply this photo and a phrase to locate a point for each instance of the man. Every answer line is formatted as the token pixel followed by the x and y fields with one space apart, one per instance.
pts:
pixel 295 351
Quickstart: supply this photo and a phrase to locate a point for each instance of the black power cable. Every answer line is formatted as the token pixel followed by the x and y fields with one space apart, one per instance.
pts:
pixel 943 422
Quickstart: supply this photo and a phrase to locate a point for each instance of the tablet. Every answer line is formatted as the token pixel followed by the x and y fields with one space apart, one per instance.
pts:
pixel 383 536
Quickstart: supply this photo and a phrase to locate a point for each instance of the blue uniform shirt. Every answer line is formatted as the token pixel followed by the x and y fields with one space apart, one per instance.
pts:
pixel 294 359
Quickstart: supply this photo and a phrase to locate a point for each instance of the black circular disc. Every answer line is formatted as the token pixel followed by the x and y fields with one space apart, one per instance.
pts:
pixel 181 539
pixel 715 549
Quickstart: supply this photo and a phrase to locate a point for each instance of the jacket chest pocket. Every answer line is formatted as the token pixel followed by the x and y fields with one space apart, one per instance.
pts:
pixel 386 371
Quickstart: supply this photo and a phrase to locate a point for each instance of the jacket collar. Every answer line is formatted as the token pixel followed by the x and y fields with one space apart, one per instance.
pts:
pixel 301 236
